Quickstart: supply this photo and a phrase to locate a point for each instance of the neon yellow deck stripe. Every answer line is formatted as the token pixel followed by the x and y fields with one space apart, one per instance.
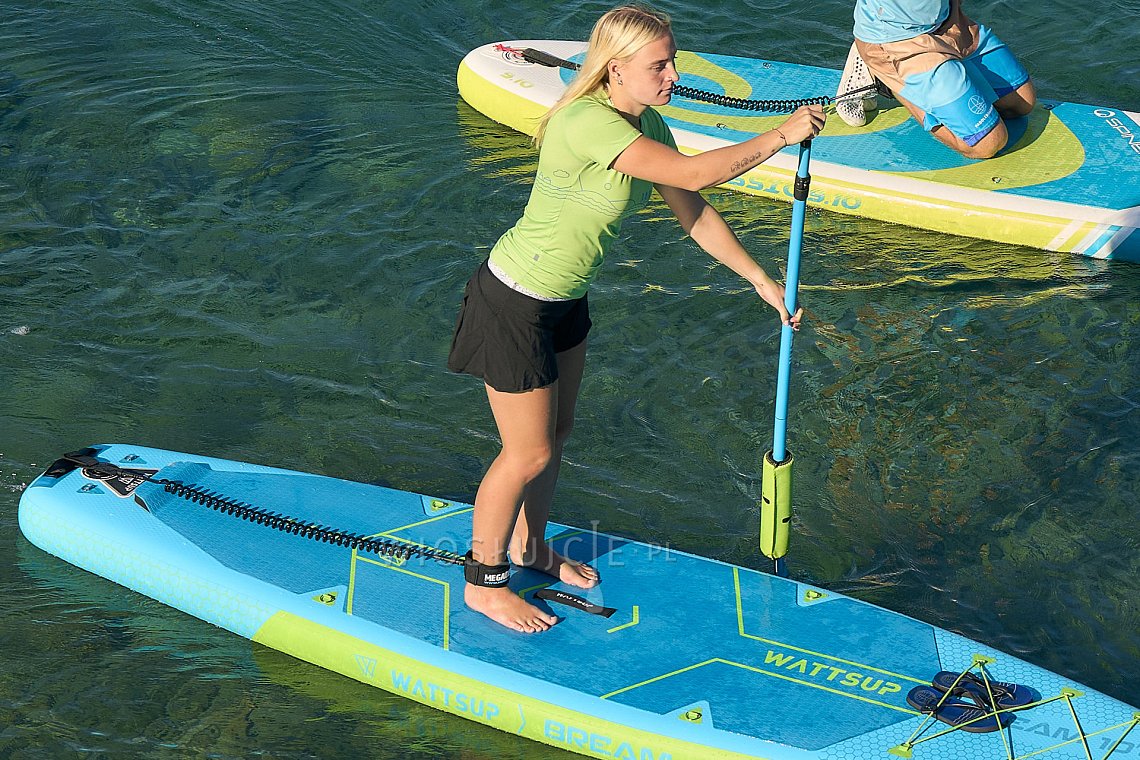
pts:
pixel 510 108
pixel 924 212
pixel 631 623
pixel 1074 229
pixel 782 645
pixel 488 704
pixel 761 671
pixel 1052 152
pixel 515 110
pixel 388 533
pixel 445 612
pixel 661 677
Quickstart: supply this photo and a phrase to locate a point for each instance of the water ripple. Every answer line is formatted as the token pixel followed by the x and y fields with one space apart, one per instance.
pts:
pixel 243 229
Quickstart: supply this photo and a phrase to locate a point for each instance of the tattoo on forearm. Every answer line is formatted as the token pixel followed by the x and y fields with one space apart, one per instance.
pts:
pixel 746 163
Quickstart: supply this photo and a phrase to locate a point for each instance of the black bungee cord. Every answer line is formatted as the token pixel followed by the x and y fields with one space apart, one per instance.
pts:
pixel 744 104
pixel 314 531
pixel 96 470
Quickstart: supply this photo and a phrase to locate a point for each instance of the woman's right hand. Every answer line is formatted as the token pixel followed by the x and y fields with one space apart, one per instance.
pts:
pixel 804 124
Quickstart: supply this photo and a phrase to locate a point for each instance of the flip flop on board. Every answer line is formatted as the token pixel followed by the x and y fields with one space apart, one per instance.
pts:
pixel 1005 695
pixel 965 716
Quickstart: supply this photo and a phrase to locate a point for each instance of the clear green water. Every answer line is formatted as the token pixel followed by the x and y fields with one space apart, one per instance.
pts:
pixel 242 229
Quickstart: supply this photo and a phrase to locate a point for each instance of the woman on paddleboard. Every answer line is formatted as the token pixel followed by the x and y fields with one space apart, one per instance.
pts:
pixel 523 324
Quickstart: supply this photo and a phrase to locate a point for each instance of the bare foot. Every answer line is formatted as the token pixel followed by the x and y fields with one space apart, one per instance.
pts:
pixel 507 608
pixel 546 560
pixel 577 574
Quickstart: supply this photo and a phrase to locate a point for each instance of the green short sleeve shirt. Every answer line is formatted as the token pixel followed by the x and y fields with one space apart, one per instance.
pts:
pixel 577 203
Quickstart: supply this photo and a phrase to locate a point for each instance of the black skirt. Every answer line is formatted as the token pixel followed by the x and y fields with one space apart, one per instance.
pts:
pixel 509 339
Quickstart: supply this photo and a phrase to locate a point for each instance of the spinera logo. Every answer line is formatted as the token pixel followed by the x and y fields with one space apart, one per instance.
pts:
pixel 1126 130
pixel 978 105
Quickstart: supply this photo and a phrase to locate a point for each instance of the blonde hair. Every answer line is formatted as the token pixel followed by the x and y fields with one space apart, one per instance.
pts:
pixel 619 34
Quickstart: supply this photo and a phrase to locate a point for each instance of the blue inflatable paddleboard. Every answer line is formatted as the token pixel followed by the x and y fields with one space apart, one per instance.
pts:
pixel 672 656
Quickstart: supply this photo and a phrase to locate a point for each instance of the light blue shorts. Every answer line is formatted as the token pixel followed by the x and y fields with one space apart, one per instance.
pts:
pixel 959 94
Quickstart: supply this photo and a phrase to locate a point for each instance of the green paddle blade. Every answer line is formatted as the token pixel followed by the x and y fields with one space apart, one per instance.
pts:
pixel 775 507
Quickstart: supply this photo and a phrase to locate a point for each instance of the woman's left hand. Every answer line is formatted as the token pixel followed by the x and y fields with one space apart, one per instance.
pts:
pixel 794 320
pixel 773 295
pixel 791 320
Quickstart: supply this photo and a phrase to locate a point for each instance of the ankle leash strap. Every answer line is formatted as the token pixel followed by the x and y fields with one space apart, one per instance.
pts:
pixel 478 574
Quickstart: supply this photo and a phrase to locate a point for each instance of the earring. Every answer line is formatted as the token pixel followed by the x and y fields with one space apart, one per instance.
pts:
pixel 619 80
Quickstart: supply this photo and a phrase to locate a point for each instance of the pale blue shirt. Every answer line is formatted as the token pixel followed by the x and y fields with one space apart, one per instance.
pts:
pixel 881 21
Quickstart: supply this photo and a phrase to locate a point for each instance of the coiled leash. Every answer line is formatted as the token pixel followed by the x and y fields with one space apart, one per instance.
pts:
pixel 95 469
pixel 124 480
pixel 769 106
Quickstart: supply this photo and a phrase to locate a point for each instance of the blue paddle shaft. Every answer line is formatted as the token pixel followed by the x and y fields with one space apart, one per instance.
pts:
pixel 795 243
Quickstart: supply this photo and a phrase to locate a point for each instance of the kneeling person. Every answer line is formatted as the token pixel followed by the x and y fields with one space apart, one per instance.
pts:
pixel 955 76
